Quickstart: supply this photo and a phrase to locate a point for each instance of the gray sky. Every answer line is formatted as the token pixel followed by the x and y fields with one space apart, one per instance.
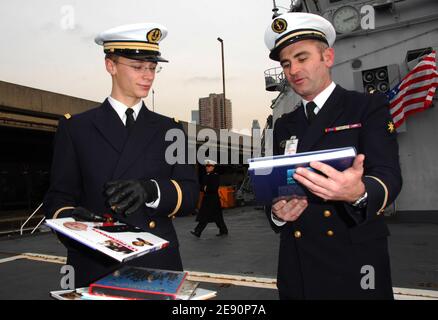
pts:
pixel 38 52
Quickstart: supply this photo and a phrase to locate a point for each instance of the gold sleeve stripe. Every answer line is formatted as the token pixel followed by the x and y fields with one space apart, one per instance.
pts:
pixel 179 201
pixel 385 200
pixel 55 216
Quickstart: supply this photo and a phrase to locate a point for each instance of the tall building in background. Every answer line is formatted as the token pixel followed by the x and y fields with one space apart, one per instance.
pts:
pixel 195 116
pixel 255 126
pixel 212 112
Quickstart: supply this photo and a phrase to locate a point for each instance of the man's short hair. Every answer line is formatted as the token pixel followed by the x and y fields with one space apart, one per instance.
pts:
pixel 112 57
pixel 321 46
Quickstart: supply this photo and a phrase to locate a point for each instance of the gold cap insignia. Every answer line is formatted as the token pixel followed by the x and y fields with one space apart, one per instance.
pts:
pixel 154 35
pixel 279 25
pixel 391 127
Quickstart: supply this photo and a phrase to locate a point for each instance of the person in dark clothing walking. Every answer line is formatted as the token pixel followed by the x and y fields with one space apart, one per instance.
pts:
pixel 210 210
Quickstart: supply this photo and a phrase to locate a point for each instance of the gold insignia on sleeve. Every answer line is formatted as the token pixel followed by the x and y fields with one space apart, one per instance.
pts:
pixel 67 116
pixel 154 35
pixel 56 214
pixel 279 25
pixel 391 127
pixel 179 198
pixel 385 189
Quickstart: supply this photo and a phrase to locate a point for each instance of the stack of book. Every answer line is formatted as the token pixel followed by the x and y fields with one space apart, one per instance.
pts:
pixel 143 283
pixel 135 283
pixel 83 294
pixel 123 242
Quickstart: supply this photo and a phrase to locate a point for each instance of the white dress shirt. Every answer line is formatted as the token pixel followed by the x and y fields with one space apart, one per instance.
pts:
pixel 121 108
pixel 321 98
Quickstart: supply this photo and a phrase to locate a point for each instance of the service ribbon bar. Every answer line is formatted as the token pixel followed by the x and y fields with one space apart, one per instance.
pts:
pixel 346 127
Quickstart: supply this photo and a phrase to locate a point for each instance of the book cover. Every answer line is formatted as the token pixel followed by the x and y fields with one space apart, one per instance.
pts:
pixel 272 177
pixel 140 283
pixel 117 240
pixel 203 294
pixel 187 290
pixel 75 294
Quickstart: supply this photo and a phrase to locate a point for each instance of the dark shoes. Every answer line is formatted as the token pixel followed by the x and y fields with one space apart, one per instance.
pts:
pixel 222 234
pixel 198 235
pixel 195 234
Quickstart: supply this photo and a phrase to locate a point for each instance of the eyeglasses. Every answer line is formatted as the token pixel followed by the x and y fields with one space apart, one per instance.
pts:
pixel 140 69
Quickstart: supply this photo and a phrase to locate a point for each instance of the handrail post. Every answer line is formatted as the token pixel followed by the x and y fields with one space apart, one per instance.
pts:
pixel 30 217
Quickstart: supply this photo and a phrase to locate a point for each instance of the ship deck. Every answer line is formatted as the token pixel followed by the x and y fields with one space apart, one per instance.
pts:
pixel 241 265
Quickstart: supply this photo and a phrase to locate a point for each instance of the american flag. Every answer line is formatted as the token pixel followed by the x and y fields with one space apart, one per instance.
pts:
pixel 416 90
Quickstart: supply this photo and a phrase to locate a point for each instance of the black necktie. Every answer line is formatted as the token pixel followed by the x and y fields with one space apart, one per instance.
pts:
pixel 310 110
pixel 129 119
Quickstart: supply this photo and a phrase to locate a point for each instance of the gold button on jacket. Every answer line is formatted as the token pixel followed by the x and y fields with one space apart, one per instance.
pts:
pixel 152 224
pixel 297 234
pixel 327 213
pixel 330 233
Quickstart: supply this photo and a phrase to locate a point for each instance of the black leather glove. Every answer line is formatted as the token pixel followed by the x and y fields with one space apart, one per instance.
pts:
pixel 81 214
pixel 126 196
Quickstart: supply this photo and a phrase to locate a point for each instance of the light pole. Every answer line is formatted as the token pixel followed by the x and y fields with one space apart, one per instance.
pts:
pixel 223 79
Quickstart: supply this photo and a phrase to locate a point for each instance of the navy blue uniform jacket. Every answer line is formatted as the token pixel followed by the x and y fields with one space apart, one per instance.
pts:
pixel 93 148
pixel 324 254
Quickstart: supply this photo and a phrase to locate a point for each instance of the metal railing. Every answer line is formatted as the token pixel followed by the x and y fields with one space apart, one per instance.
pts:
pixel 30 217
pixel 273 79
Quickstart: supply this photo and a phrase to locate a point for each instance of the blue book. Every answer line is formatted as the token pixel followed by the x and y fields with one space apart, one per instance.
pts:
pixel 272 177
pixel 140 283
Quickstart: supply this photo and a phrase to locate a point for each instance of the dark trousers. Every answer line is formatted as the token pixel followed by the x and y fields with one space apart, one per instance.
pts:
pixel 219 222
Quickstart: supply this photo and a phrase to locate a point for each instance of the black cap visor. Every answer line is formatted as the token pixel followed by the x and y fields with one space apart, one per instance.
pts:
pixel 141 55
pixel 275 53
